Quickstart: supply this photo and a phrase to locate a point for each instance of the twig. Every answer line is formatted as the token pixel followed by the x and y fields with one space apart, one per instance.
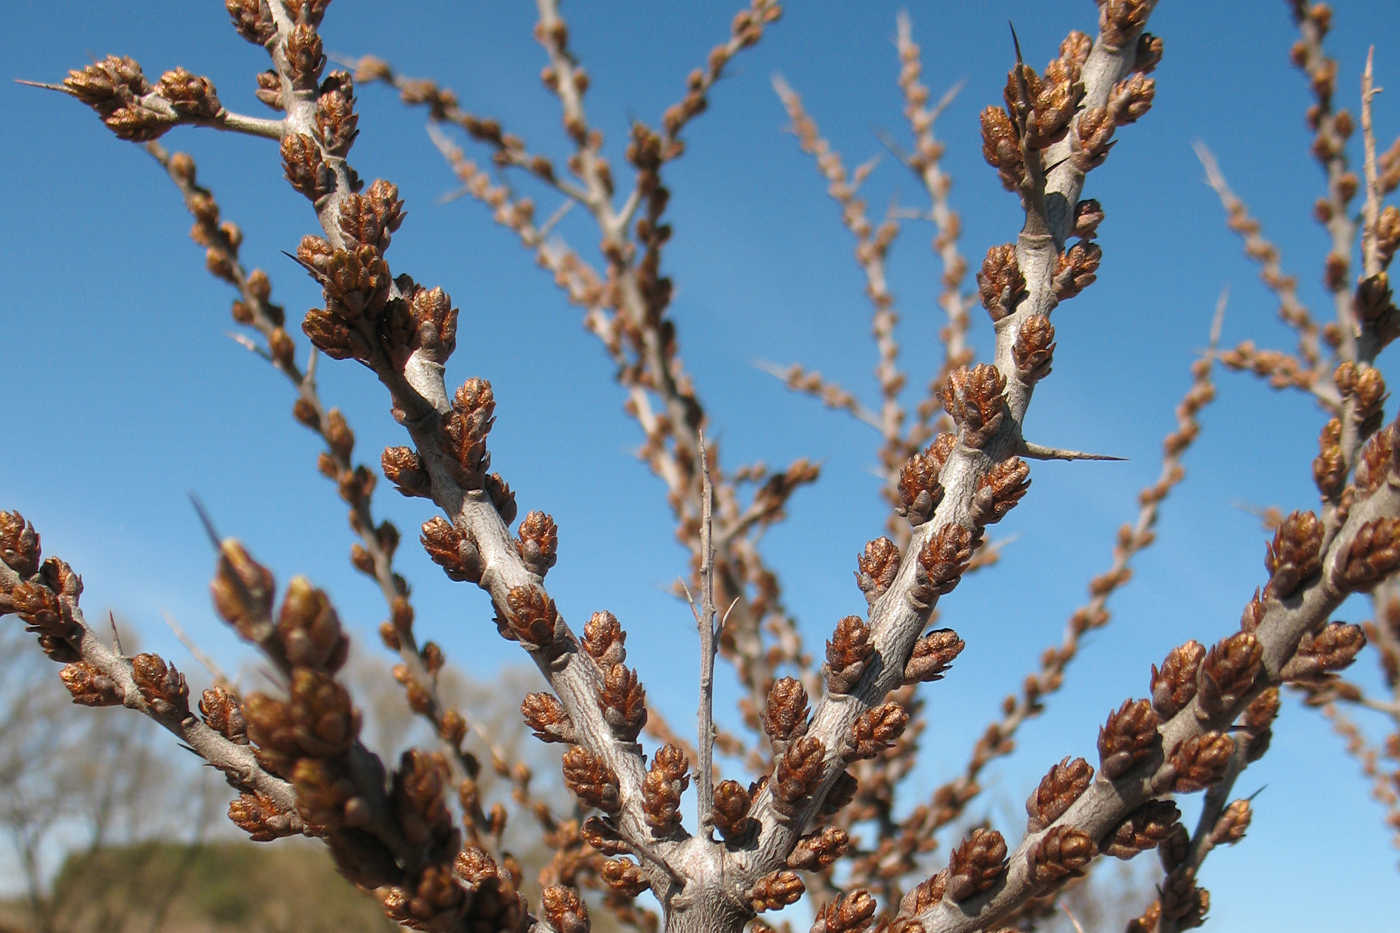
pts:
pixel 705 620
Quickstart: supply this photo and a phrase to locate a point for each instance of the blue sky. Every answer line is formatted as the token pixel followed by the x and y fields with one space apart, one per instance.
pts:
pixel 125 391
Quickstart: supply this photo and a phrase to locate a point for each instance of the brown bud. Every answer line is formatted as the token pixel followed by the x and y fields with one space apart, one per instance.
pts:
pixel 452 549
pixel 1201 760
pixel 591 780
pixel 999 490
pixel 371 217
pixel 933 654
pixel 304 168
pixel 1233 823
pixel 1149 53
pixel 731 813
pixel 876 568
pixel 1174 685
pixel 1374 553
pixel 785 715
pixel 253 20
pixel 1001 148
pixel 223 713
pixel 798 773
pixel 260 818
pixel 1331 649
pixel 976 864
pixel 305 57
pixel 538 542
pixel 161 685
pixel 665 781
pixel 1093 137
pixel 973 397
pixel 624 877
pixel 1128 739
pixel 849 913
pixel 532 619
pixel 623 702
pixel 847 653
pixel 325 721
pixel 604 639
pixel 1060 787
pixel 942 560
pixel 775 891
pixel 465 428
pixel 564 909
pixel 1000 282
pixel 1076 269
pixel 1227 674
pixel 820 849
pixel 19 544
pixel 309 628
pixel 1060 854
pixel 1034 349
pixel 1294 556
pixel 919 489
pixel 89 686
pixel 243 591
pixel 335 116
pixel 191 95
pixel 873 731
pixel 1143 829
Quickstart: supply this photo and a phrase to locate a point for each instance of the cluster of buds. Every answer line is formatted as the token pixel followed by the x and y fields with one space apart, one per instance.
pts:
pixel 131 107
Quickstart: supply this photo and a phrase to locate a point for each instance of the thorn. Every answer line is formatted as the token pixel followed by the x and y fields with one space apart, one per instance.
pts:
pixel 1015 41
pixel 116 635
pixel 205 520
pixel 1036 451
pixel 45 86
pixel 1217 323
pixel 246 343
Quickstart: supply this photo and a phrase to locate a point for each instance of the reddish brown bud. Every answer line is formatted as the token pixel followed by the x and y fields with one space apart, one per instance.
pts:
pixel 976 864
pixel 538 542
pixel 261 819
pixel 973 397
pixel 532 619
pixel 1128 739
pixel 1034 349
pixel 665 781
pixel 1331 649
pixel 604 639
pixel 933 654
pixel 1000 282
pixel 1294 556
pixel 1143 829
pixel 873 731
pixel 999 490
pixel 243 591
pixel 775 891
pixel 452 549
pixel 1076 269
pixel 847 653
pixel 942 560
pixel 1060 787
pixel 1201 760
pixel 19 544
pixel 1174 685
pixel 302 163
pixel 89 686
pixel 1001 148
pixel 623 702
pixel 1227 674
pixel 849 913
pixel 1374 553
pixel 819 849
pixel 624 877
pixel 1060 854
pixel 919 489
pixel 252 19
pixel 798 773
pixel 876 568
pixel 591 780
pixel 564 909
pixel 161 685
pixel 785 715
pixel 309 628
pixel 731 813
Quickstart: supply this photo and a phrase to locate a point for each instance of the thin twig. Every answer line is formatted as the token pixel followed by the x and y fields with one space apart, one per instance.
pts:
pixel 705 621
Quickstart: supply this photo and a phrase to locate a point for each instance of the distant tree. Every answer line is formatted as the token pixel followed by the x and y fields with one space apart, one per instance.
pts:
pixel 832 735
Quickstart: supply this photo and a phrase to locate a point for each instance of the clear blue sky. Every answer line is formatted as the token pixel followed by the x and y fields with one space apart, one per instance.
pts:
pixel 125 392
